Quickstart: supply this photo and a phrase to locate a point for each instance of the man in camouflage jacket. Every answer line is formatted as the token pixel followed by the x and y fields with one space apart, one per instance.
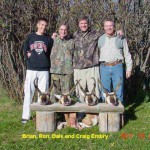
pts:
pixel 86 57
pixel 61 61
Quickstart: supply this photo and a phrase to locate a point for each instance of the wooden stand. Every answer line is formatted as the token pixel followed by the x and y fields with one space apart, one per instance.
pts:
pixel 110 117
pixel 109 122
pixel 45 121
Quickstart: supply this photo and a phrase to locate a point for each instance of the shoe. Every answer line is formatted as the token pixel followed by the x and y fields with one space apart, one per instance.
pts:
pixel 24 121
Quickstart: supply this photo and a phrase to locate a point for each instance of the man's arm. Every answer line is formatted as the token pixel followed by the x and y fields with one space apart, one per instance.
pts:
pixel 51 42
pixel 101 32
pixel 26 48
pixel 128 59
pixel 54 35
pixel 120 33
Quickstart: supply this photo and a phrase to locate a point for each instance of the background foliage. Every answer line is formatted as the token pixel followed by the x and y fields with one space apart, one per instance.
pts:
pixel 17 20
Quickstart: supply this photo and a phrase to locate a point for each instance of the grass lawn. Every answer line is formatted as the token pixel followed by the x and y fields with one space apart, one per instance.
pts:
pixel 135 135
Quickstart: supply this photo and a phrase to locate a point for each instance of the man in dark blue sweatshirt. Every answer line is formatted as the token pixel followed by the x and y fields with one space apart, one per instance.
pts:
pixel 37 49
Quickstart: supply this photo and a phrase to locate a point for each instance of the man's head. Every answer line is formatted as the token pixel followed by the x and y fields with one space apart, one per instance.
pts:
pixel 63 30
pixel 83 23
pixel 109 26
pixel 41 25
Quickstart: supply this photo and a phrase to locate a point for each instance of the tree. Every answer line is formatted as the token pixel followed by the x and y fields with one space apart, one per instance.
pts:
pixel 17 19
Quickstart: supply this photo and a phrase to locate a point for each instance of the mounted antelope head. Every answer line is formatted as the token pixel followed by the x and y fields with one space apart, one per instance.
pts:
pixel 65 98
pixel 111 97
pixel 90 98
pixel 44 96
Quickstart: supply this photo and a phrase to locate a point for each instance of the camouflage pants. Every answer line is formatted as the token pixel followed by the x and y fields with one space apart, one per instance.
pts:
pixel 63 82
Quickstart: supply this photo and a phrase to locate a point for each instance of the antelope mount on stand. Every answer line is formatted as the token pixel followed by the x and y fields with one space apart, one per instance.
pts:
pixel 110 97
pixel 90 98
pixel 44 96
pixel 65 98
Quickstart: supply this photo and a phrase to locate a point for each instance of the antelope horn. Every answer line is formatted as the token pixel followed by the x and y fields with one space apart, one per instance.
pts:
pixel 118 85
pixel 105 91
pixel 93 90
pixel 36 87
pixel 59 92
pixel 74 87
pixel 51 87
pixel 82 88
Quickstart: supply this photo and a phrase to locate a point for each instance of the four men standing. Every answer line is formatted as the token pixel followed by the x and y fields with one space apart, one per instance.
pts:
pixel 80 54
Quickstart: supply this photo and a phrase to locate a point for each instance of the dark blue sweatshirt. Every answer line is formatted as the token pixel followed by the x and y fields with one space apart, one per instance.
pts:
pixel 39 46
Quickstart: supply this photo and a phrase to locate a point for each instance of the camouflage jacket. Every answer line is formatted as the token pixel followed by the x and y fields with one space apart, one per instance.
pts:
pixel 86 53
pixel 61 56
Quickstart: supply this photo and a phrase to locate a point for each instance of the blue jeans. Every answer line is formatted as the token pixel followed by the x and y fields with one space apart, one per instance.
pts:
pixel 111 75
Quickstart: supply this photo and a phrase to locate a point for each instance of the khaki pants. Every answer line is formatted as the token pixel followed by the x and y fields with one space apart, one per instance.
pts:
pixel 85 75
pixel 63 82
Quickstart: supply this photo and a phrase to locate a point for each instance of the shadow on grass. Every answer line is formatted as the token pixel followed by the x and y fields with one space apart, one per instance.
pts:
pixel 137 95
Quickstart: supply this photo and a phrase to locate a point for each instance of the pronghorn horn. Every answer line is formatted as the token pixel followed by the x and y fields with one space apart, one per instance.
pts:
pixel 105 91
pixel 93 90
pixel 82 88
pixel 59 92
pixel 118 85
pixel 36 87
pixel 70 92
pixel 51 87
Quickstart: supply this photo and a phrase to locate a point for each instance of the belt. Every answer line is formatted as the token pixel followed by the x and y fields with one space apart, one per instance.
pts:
pixel 111 63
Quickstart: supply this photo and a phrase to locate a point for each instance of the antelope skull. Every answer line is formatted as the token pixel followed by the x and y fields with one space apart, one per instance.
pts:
pixel 44 96
pixel 65 98
pixel 90 98
pixel 111 97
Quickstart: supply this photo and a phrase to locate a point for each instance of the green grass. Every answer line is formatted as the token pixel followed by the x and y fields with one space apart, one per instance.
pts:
pixel 137 123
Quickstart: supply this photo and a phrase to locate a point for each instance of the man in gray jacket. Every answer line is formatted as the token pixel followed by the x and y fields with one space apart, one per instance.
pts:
pixel 113 51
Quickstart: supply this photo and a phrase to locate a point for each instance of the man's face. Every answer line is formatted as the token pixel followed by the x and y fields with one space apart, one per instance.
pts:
pixel 63 31
pixel 109 27
pixel 41 26
pixel 83 25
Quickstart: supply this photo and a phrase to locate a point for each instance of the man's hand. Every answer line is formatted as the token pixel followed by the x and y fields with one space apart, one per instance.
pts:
pixel 128 74
pixel 54 35
pixel 120 33
pixel 28 54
